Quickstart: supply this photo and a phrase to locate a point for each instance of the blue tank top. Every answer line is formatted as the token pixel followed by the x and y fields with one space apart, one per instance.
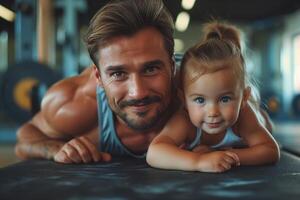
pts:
pixel 109 140
pixel 230 140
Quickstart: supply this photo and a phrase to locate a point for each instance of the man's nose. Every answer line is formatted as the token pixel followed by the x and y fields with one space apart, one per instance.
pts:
pixel 137 87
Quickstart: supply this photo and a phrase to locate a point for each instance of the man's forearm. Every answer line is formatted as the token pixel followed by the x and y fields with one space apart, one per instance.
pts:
pixel 33 143
pixel 40 149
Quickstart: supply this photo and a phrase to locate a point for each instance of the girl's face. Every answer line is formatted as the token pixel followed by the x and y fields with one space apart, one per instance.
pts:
pixel 214 100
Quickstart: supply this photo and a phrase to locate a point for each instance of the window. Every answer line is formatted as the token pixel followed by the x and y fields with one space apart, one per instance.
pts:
pixel 296 63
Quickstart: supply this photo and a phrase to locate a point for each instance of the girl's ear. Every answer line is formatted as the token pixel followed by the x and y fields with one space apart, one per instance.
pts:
pixel 246 96
pixel 97 75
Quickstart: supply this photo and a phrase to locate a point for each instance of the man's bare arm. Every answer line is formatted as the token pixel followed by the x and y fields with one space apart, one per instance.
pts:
pixel 33 143
pixel 70 106
pixel 69 110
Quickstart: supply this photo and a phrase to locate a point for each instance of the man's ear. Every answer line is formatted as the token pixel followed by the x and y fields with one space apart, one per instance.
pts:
pixel 246 96
pixel 97 75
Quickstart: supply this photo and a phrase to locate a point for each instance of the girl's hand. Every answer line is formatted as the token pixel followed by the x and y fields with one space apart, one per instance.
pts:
pixel 217 161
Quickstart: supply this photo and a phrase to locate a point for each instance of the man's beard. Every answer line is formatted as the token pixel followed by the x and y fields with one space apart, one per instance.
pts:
pixel 143 124
pixel 138 124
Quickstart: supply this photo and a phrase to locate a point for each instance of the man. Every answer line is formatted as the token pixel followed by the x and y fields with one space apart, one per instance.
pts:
pixel 131 45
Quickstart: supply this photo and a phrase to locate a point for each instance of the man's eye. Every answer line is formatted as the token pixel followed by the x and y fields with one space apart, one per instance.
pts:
pixel 225 99
pixel 199 100
pixel 151 70
pixel 118 75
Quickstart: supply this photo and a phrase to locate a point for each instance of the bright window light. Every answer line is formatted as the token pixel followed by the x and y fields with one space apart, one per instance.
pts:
pixel 187 4
pixel 179 45
pixel 296 63
pixel 6 14
pixel 182 21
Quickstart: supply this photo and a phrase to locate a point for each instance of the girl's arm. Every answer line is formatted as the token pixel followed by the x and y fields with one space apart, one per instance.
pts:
pixel 164 151
pixel 263 148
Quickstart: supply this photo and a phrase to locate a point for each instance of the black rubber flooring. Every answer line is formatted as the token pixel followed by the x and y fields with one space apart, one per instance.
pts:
pixel 127 178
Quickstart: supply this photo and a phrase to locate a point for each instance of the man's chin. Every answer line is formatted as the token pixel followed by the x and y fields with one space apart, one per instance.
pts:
pixel 142 123
pixel 141 120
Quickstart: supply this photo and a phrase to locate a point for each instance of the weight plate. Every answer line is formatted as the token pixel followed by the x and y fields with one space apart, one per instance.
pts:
pixel 18 82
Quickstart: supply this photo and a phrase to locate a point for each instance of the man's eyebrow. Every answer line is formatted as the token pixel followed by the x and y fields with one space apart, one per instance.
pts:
pixel 114 68
pixel 154 62
pixel 122 67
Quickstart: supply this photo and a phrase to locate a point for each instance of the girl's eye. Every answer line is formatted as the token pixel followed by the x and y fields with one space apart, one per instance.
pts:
pixel 225 99
pixel 199 100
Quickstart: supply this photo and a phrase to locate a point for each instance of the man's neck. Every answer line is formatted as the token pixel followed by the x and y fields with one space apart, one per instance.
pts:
pixel 136 141
pixel 139 140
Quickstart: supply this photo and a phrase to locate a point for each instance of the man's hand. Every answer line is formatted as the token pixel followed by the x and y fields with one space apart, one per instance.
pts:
pixel 80 150
pixel 217 161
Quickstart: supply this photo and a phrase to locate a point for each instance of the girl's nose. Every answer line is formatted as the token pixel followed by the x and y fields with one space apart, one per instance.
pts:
pixel 213 110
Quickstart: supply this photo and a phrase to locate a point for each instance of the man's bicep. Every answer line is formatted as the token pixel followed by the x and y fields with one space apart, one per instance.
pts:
pixel 69 107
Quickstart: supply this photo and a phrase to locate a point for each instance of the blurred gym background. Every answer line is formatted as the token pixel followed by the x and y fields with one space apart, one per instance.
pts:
pixel 41 43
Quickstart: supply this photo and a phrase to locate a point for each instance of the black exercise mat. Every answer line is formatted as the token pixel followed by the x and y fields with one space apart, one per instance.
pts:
pixel 287 135
pixel 126 178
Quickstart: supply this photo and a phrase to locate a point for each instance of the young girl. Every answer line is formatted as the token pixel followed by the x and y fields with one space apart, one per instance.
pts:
pixel 222 113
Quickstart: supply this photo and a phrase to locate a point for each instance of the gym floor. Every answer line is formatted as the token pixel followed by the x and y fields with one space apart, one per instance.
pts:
pixel 7 141
pixel 286 133
pixel 7 155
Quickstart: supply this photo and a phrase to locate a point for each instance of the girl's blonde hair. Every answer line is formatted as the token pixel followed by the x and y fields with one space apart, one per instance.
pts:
pixel 219 49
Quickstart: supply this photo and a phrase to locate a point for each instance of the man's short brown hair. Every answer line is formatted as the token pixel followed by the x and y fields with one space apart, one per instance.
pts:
pixel 127 17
